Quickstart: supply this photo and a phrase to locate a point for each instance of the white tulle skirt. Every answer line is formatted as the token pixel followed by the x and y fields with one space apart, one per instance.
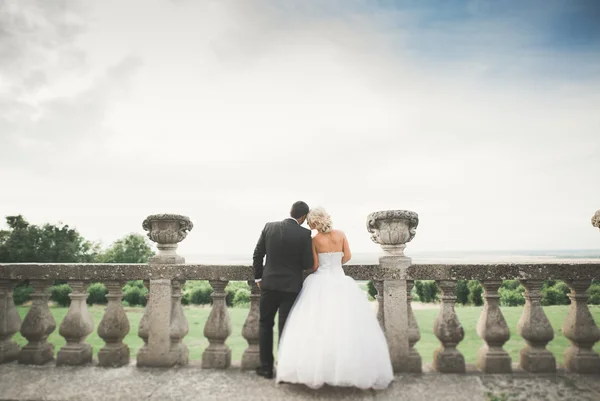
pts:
pixel 332 337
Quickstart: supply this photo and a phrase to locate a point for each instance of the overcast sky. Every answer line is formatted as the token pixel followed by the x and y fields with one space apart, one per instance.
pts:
pixel 481 116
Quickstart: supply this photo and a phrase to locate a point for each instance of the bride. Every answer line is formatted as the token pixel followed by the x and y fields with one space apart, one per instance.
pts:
pixel 332 335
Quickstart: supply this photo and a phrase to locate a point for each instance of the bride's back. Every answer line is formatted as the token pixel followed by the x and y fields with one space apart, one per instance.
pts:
pixel 332 241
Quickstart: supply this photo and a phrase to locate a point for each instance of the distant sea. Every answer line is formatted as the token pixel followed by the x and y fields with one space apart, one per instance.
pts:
pixel 515 256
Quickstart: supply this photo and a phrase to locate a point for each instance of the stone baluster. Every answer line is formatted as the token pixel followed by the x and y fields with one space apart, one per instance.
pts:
pixel 251 357
pixel 378 284
pixel 10 323
pixel 179 326
pixel 75 327
pixel 447 328
pixel 414 335
pixel 217 329
pixel 392 230
pixel 163 325
pixel 493 330
pixel 144 325
pixel 37 326
pixel 536 330
pixel 580 328
pixel 113 328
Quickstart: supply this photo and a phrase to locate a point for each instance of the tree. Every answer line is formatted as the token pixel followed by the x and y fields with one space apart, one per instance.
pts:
pixel 133 248
pixel 24 242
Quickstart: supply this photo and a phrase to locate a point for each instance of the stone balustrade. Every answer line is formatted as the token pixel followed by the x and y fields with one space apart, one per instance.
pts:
pixel 163 326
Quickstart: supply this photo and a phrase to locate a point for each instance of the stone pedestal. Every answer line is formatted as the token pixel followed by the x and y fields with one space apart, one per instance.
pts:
pixel 217 329
pixel 251 357
pixel 179 326
pixel 113 328
pixel 536 330
pixel 414 362
pixel 494 331
pixel 75 327
pixel 10 323
pixel 395 311
pixel 447 328
pixel 37 326
pixel 157 353
pixel 581 329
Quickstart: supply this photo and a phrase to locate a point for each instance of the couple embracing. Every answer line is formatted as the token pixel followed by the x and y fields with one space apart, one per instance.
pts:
pixel 328 333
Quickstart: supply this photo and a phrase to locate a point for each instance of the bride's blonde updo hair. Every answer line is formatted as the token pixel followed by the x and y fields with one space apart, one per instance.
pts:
pixel 320 219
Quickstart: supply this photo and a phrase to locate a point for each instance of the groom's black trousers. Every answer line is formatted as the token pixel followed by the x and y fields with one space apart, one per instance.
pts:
pixel 270 302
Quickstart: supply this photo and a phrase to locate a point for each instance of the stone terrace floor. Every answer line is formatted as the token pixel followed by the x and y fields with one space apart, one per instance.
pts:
pixel 48 382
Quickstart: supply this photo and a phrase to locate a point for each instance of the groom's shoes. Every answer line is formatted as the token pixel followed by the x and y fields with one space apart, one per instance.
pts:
pixel 264 372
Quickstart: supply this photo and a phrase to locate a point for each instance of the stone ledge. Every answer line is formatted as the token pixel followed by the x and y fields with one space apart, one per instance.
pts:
pixel 571 270
pixel 18 382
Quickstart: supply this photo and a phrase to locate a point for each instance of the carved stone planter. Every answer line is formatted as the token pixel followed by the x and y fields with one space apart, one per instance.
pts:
pixel 167 230
pixel 392 229
pixel 596 219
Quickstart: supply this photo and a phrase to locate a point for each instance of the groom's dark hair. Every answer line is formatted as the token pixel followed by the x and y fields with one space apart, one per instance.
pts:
pixel 299 209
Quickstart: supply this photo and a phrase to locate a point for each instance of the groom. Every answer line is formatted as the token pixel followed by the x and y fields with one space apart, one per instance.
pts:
pixel 288 248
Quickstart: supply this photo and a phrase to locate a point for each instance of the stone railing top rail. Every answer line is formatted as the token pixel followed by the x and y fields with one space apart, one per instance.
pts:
pixel 560 270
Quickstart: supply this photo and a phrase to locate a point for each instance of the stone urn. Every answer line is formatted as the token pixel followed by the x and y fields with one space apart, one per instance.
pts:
pixel 596 219
pixel 167 230
pixel 392 229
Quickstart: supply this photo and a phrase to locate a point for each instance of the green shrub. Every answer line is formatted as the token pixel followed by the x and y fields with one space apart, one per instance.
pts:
pixel 511 297
pixel 242 297
pixel 185 298
pixel 594 294
pixel 22 294
pixel 97 294
pixel 555 292
pixel 510 284
pixel 199 293
pixel 134 295
pixel 371 289
pixel 462 292
pixel 414 295
pixel 475 293
pixel 427 290
pixel 232 289
pixel 136 283
pixel 60 294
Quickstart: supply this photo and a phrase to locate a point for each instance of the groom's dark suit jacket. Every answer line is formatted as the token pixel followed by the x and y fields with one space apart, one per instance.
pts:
pixel 288 248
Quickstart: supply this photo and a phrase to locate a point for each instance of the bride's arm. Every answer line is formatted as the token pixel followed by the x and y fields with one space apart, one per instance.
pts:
pixel 346 249
pixel 315 256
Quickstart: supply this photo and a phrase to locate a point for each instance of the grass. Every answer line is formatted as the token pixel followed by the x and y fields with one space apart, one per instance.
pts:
pixel 197 317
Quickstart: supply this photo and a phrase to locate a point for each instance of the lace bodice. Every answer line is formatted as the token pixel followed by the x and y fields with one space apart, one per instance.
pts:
pixel 330 261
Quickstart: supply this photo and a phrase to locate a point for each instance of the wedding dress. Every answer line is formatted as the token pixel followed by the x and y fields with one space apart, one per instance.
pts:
pixel 332 335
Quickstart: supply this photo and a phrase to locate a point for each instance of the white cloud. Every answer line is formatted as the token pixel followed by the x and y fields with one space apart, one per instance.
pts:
pixel 229 111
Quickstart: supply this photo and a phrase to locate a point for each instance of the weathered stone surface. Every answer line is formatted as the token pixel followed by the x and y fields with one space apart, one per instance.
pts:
pixel 395 312
pixel 380 300
pixel 24 383
pixel 413 363
pixel 157 351
pixel 596 219
pixel 75 327
pixel 493 330
pixel 392 229
pixel 217 329
pixel 37 326
pixel 113 327
pixel 581 329
pixel 536 330
pixel 179 326
pixel 447 328
pixel 167 230
pixel 101 272
pixel 10 323
pixel 250 331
